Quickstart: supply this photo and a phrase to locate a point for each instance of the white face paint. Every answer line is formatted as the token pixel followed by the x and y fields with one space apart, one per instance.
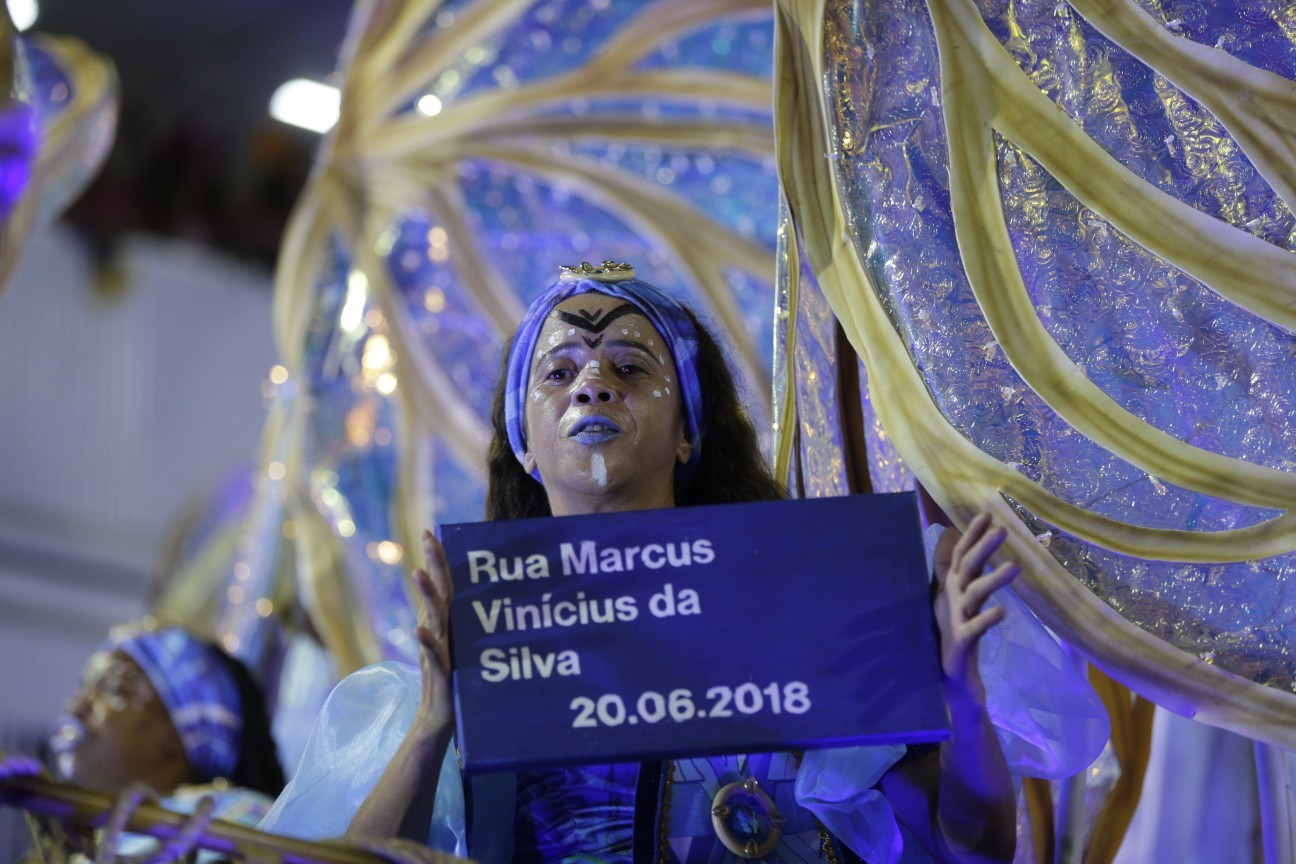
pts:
pixel 632 449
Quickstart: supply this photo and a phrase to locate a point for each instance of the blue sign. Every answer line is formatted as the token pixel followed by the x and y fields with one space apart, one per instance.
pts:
pixel 738 628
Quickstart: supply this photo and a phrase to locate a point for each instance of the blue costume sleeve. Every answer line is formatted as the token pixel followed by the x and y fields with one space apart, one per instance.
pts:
pixel 357 734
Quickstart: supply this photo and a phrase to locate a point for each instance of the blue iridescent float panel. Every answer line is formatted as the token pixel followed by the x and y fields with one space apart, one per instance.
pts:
pixel 1163 346
pixel 507 209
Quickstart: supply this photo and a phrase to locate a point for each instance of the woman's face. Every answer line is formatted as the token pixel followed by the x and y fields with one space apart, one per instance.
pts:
pixel 125 734
pixel 603 419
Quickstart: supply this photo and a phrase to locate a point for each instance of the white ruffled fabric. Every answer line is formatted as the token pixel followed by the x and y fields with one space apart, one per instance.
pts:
pixel 1048 719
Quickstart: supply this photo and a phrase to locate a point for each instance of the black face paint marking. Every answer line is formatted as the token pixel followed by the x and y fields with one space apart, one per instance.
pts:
pixel 595 322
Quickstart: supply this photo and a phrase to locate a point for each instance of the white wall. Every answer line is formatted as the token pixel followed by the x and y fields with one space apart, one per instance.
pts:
pixel 114 416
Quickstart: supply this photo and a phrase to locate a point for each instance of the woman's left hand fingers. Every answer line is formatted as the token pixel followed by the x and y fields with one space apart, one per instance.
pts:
pixel 978 625
pixel 980 588
pixel 976 556
pixel 965 589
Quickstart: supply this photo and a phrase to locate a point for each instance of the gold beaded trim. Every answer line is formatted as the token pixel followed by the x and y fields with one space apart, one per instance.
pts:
pixel 826 843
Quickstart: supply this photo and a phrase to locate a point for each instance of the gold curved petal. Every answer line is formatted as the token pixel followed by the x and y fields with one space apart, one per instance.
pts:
pixel 409 134
pixel 426 389
pixel 973 97
pixel 381 158
pixel 78 137
pixel 71 143
pixel 985 88
pixel 704 247
pixel 323 588
pixel 315 219
pixel 1255 106
pixel 632 128
pixel 660 22
pixel 394 87
pixel 934 451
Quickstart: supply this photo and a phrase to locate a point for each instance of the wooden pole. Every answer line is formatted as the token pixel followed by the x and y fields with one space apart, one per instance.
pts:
pixel 65 801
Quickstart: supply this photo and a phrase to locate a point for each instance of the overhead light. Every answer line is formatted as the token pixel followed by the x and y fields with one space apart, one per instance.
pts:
pixel 305 103
pixel 23 13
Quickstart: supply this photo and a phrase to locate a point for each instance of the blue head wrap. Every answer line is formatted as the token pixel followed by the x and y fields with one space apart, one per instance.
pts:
pixel 199 693
pixel 663 311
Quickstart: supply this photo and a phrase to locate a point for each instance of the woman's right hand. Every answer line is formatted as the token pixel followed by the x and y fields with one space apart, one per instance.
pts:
pixel 402 801
pixel 434 590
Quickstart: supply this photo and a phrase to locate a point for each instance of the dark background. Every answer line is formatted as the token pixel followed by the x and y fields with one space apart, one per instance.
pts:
pixel 197 154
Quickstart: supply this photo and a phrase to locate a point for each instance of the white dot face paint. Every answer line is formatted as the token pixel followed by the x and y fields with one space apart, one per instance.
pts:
pixel 634 463
pixel 667 391
pixel 650 344
pixel 625 331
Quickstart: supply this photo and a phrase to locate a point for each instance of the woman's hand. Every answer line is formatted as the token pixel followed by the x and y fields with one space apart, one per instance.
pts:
pixel 962 587
pixel 434 590
pixel 401 802
pixel 962 803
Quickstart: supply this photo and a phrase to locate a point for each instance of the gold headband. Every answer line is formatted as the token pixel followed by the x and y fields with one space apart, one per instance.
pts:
pixel 608 271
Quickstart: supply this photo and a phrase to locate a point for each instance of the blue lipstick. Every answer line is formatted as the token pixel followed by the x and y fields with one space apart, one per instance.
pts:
pixel 594 430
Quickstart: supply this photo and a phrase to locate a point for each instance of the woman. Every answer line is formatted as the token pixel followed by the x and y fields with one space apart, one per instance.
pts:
pixel 616 399
pixel 160 708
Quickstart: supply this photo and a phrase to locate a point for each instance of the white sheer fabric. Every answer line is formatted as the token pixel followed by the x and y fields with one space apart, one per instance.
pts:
pixel 362 724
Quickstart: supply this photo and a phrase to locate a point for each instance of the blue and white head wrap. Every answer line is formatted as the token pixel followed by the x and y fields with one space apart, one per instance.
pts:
pixel 663 311
pixel 198 691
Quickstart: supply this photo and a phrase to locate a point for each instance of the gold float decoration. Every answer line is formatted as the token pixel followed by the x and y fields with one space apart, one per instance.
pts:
pixel 984 92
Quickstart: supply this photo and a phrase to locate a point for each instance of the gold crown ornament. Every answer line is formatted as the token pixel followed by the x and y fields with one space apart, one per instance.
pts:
pixel 608 271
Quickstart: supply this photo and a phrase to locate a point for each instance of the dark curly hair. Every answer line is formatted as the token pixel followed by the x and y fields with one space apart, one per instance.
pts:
pixel 258 766
pixel 730 470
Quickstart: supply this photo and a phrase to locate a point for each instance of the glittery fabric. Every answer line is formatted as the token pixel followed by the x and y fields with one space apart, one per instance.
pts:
pixel 535 134
pixel 822 458
pixel 1166 348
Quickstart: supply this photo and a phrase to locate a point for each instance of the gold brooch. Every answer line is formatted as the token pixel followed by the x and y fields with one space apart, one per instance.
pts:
pixel 608 271
pixel 746 820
